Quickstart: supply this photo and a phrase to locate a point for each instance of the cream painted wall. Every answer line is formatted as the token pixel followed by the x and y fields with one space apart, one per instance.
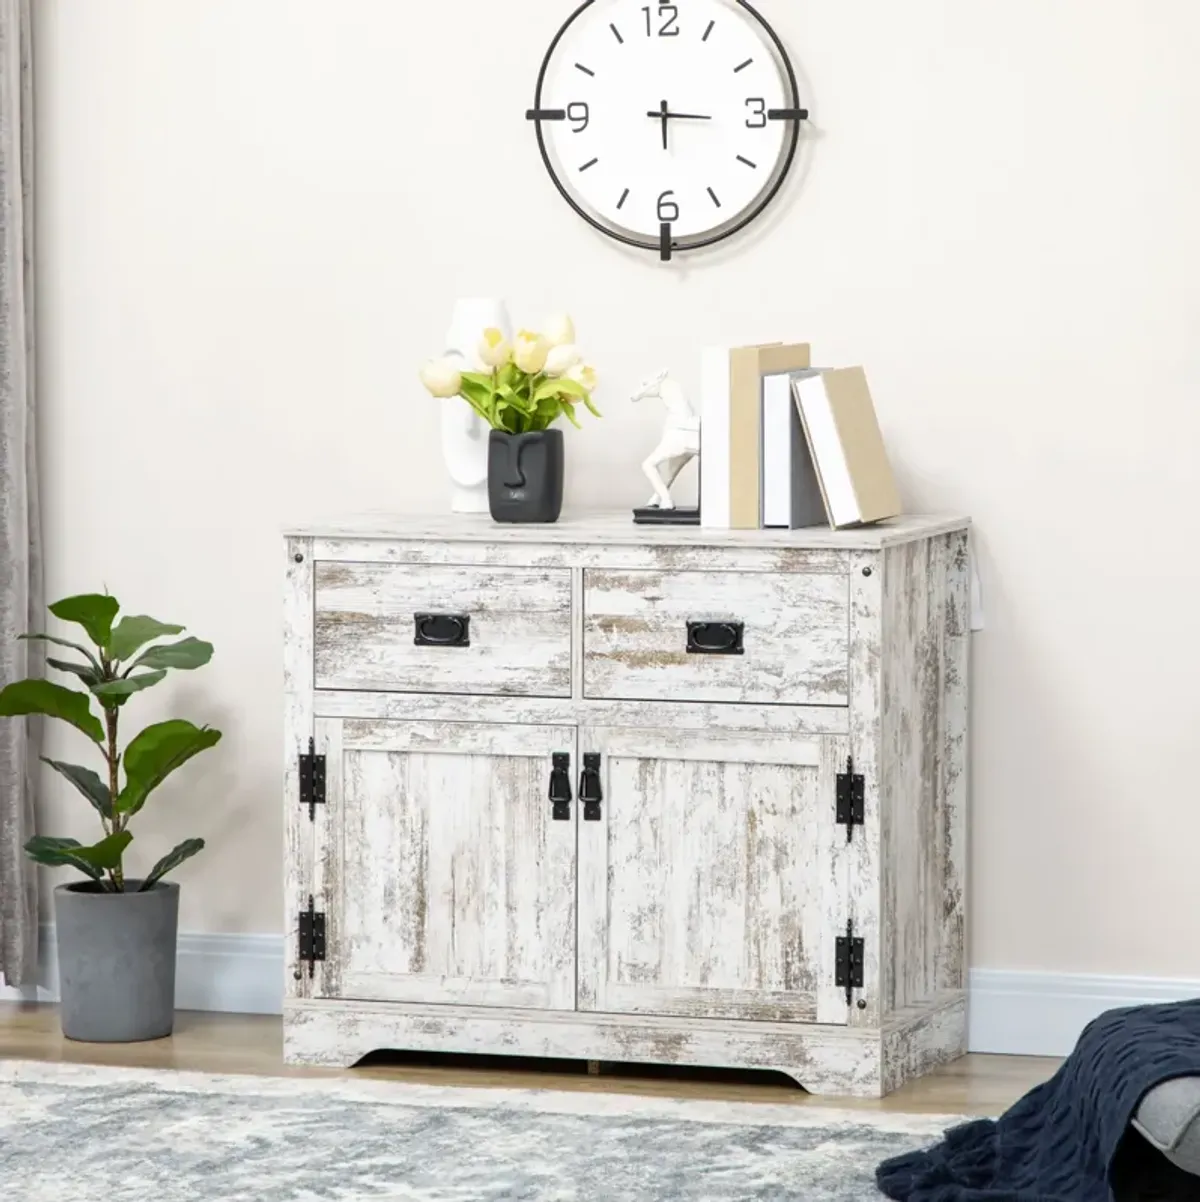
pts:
pixel 256 213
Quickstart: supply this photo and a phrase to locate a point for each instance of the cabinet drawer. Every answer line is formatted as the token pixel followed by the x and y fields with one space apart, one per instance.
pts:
pixel 418 629
pixel 717 636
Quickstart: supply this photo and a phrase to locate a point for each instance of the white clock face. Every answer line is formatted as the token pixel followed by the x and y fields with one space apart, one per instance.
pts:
pixel 676 115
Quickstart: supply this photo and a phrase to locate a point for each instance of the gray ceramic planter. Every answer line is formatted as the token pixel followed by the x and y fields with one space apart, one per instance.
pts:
pixel 116 962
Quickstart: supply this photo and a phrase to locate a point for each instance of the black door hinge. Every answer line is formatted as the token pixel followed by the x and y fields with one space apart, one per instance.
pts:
pixel 312 780
pixel 591 794
pixel 851 954
pixel 851 800
pixel 312 936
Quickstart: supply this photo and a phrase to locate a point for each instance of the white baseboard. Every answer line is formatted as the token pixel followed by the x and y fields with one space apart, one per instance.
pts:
pixel 1011 1013
pixel 1042 1014
pixel 231 974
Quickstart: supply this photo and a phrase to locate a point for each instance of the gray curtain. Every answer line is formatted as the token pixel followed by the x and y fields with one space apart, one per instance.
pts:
pixel 20 550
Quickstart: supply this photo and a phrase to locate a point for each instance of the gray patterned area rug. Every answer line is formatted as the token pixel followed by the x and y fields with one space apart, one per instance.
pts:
pixel 73 1131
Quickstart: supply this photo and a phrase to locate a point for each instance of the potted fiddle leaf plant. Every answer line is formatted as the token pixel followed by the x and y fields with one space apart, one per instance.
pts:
pixel 116 931
pixel 526 387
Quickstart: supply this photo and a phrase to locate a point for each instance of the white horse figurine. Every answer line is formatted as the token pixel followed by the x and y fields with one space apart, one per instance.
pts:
pixel 680 441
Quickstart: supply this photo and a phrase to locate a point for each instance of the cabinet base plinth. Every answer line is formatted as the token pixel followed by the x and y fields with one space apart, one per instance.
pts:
pixel 826 1060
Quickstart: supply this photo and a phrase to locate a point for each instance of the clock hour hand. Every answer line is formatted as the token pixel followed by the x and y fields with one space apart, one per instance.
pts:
pixel 681 116
pixel 665 117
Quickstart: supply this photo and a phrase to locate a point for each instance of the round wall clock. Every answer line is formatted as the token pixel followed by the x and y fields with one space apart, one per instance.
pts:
pixel 668 127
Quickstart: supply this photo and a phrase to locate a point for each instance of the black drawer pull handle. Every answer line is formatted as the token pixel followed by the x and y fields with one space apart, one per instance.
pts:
pixel 442 630
pixel 716 638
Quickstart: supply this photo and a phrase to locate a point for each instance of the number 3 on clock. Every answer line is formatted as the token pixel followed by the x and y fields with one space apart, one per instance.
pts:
pixel 668 14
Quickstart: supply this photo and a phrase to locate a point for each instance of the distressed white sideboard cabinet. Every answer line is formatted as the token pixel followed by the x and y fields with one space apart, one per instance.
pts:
pixel 626 794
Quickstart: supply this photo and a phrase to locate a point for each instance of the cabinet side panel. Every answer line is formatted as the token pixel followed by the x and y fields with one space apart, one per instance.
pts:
pixel 298 728
pixel 953 797
pixel 918 836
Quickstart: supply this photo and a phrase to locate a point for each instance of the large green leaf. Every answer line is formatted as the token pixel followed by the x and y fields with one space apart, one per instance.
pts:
pixel 93 611
pixel 107 853
pixel 85 672
pixel 155 753
pixel 172 860
pixel 88 783
pixel 49 638
pixel 44 697
pixel 187 653
pixel 134 632
pixel 118 690
pixel 58 853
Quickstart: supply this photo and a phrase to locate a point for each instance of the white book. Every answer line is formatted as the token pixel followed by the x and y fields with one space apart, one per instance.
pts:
pixel 778 410
pixel 791 498
pixel 715 418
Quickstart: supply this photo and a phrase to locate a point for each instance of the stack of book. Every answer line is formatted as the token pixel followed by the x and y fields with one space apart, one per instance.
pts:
pixel 786 445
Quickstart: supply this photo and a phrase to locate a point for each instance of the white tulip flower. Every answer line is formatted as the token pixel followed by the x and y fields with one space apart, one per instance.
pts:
pixel 560 330
pixel 585 375
pixel 562 358
pixel 441 377
pixel 495 350
pixel 530 351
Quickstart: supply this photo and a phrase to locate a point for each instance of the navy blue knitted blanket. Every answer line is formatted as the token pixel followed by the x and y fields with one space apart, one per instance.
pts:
pixel 1059 1143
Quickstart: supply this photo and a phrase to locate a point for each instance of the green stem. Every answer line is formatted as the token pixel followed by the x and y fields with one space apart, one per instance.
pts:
pixel 117 875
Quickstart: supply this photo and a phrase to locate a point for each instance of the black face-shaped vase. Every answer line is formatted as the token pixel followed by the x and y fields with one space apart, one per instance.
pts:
pixel 525 476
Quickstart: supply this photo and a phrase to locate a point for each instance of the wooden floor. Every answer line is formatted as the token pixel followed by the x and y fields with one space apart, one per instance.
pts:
pixel 228 1043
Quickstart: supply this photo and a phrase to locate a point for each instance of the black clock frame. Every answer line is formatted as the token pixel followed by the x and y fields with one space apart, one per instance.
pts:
pixel 666 244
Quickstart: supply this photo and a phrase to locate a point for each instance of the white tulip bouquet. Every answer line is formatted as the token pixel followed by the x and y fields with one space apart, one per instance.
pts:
pixel 530 384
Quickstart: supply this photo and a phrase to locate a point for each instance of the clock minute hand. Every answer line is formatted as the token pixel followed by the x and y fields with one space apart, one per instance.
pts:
pixel 688 117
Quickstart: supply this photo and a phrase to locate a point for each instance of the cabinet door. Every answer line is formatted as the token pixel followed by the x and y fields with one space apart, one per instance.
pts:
pixel 713 884
pixel 441 868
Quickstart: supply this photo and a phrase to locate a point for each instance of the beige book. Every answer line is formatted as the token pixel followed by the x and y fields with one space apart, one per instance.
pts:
pixel 843 433
pixel 747 367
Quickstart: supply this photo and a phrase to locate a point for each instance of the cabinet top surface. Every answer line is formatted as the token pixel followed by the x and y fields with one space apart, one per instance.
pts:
pixel 619 529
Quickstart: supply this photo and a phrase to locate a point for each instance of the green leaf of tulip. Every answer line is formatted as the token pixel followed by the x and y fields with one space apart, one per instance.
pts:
pixel 172 860
pixel 93 611
pixel 59 853
pixel 88 783
pixel 44 697
pixel 561 387
pixel 155 753
pixel 134 632
pixel 186 654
